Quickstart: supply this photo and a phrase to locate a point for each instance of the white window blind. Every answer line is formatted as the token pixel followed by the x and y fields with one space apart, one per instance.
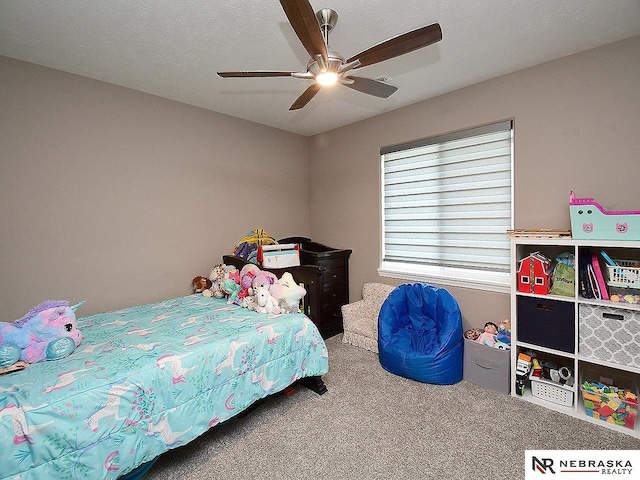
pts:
pixel 447 201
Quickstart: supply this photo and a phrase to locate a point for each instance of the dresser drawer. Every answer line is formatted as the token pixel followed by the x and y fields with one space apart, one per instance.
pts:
pixel 333 278
pixel 330 262
pixel 333 301
pixel 331 323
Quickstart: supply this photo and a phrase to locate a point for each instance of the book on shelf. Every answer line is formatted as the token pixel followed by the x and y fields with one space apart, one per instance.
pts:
pixel 604 294
pixel 593 282
pixel 584 278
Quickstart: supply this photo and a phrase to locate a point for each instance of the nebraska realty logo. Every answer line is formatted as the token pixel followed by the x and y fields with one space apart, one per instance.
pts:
pixel 581 464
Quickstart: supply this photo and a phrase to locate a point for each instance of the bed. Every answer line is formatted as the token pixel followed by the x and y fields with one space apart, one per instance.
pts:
pixel 148 379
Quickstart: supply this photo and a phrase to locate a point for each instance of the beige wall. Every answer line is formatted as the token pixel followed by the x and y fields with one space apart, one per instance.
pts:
pixel 119 198
pixel 577 126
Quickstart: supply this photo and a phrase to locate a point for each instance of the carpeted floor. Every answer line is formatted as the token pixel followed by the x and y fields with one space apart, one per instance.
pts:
pixel 375 425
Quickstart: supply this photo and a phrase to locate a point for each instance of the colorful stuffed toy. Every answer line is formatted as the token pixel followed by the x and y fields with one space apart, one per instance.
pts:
pixel 264 280
pixel 247 275
pixel 472 333
pixel 504 332
pixel 48 332
pixel 288 293
pixel 216 276
pixel 266 302
pixel 249 302
pixel 200 284
pixel 231 285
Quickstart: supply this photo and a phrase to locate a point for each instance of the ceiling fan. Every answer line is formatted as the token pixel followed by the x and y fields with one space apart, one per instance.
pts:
pixel 326 66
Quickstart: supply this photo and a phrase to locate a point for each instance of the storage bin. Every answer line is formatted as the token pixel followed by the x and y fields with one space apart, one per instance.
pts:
pixel 551 391
pixel 625 274
pixel 547 323
pixel 617 404
pixel 623 294
pixel 623 281
pixel 609 334
pixel 486 367
pixel 279 256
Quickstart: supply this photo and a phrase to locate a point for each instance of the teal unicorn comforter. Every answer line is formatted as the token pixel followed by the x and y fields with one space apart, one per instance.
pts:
pixel 147 379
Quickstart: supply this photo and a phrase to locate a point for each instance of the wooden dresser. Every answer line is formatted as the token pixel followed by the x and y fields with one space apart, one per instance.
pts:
pixel 325 311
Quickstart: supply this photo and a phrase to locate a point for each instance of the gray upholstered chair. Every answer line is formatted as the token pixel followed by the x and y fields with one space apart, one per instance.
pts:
pixel 360 319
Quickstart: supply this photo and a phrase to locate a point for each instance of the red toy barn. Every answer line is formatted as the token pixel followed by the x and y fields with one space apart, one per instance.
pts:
pixel 534 274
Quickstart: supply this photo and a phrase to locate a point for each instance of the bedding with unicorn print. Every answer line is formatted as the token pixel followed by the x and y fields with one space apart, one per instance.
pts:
pixel 147 379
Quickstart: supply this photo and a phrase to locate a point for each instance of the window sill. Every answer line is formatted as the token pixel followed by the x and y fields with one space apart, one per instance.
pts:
pixel 453 277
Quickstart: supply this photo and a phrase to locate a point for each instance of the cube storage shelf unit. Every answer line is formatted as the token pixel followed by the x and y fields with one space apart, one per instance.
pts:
pixel 561 335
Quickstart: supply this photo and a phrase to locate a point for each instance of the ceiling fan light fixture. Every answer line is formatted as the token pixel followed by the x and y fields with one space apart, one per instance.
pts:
pixel 328 67
pixel 327 78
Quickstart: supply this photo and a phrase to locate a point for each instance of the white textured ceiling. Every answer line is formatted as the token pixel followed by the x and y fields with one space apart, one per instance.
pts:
pixel 173 48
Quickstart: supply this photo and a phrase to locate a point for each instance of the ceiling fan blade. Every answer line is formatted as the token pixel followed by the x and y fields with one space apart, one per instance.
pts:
pixel 255 73
pixel 306 96
pixel 396 46
pixel 371 87
pixel 304 22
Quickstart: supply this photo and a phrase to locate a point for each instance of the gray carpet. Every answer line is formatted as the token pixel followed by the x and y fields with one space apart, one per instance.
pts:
pixel 372 424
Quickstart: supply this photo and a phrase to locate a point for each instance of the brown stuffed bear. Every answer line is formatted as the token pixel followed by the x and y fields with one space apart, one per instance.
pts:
pixel 200 283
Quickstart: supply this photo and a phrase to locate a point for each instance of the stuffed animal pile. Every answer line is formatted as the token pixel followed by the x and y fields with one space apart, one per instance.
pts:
pixel 48 332
pixel 496 336
pixel 252 288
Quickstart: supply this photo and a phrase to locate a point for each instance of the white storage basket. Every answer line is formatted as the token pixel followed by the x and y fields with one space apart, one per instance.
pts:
pixel 551 391
pixel 625 274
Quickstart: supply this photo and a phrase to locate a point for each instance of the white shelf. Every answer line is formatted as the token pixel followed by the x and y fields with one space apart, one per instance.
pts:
pixel 607 303
pixel 539 348
pixel 561 298
pixel 520 248
pixel 604 363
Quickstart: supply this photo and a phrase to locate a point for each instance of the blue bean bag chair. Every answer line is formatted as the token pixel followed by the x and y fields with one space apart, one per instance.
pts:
pixel 420 334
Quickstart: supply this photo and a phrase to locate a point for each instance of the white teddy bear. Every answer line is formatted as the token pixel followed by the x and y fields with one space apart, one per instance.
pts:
pixel 265 302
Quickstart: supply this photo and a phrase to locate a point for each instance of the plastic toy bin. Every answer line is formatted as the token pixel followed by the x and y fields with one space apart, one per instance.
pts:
pixel 610 399
pixel 626 273
pixel 551 391
pixel 623 280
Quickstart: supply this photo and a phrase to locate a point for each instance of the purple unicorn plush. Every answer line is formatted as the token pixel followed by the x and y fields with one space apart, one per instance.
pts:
pixel 48 332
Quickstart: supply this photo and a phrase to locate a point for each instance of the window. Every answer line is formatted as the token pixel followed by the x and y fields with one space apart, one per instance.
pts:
pixel 447 206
